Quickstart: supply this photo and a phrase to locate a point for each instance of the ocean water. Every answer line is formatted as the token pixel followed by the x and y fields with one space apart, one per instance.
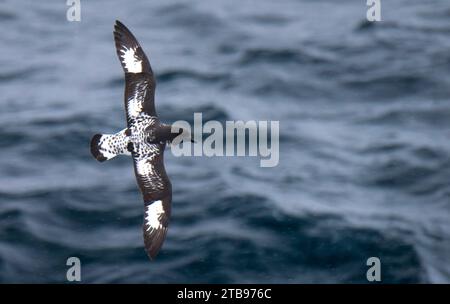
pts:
pixel 364 112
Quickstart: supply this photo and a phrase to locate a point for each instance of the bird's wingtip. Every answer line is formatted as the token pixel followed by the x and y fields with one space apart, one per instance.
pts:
pixel 119 25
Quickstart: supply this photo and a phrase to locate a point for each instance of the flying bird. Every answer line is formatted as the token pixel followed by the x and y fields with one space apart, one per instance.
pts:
pixel 144 138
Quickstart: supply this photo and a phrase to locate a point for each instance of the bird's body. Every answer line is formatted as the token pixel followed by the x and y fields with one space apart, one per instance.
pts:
pixel 144 139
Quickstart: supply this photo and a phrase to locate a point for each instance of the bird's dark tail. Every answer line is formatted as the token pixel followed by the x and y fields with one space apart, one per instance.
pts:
pixel 107 146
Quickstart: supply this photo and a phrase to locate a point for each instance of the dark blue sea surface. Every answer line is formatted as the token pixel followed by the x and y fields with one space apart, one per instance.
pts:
pixel 364 112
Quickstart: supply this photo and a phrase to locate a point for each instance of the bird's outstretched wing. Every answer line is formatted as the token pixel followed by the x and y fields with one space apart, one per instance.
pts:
pixel 139 80
pixel 157 193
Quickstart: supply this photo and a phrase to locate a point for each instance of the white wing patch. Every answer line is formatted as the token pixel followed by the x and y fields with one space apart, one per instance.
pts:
pixel 130 60
pixel 149 177
pixel 135 104
pixel 144 168
pixel 153 215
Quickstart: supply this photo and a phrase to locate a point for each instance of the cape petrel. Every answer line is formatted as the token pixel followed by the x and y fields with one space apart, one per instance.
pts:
pixel 144 139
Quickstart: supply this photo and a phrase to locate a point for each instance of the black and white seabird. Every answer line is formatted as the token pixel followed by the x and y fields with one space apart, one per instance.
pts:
pixel 145 139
